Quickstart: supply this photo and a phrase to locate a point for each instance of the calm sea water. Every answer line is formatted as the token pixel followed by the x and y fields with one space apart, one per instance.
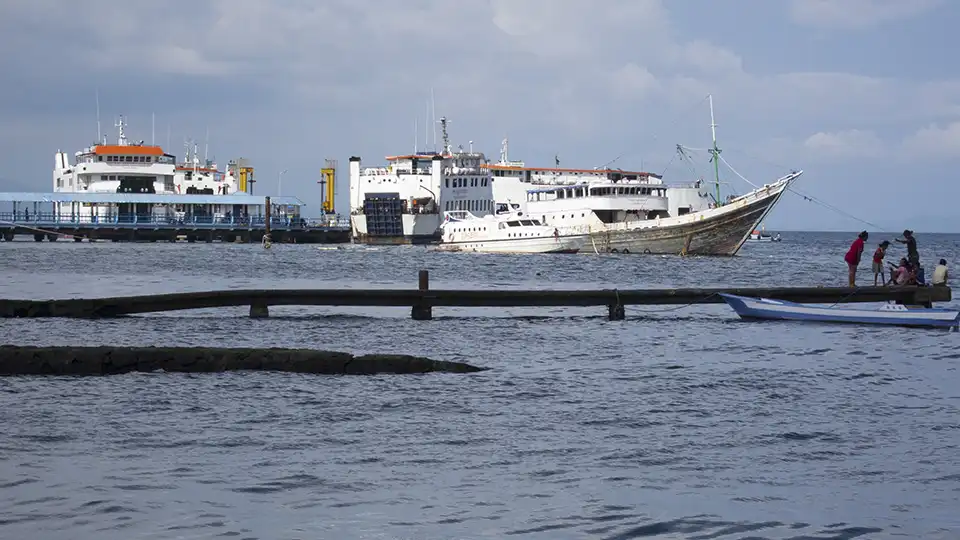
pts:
pixel 679 422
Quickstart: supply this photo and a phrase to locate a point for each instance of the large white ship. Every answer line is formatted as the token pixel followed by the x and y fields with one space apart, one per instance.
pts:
pixel 133 167
pixel 633 211
pixel 403 201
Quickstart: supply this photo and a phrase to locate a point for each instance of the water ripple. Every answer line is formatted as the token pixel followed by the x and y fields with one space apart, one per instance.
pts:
pixel 681 424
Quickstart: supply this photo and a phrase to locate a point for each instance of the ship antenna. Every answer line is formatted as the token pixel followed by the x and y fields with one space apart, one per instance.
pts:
pixel 99 135
pixel 433 107
pixel 715 151
pixel 504 147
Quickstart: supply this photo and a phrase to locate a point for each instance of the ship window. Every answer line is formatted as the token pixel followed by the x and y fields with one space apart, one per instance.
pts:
pixel 513 224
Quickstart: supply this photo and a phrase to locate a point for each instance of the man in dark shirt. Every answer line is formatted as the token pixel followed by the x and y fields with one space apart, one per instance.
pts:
pixel 912 254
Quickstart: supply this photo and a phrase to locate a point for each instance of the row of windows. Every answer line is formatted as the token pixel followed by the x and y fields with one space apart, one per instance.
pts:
pixel 466 182
pixel 130 159
pixel 473 205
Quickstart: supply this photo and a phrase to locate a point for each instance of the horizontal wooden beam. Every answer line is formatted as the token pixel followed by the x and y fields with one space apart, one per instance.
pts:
pixel 426 298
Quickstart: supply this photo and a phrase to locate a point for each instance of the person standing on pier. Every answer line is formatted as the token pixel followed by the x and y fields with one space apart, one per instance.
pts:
pixel 913 256
pixel 854 254
pixel 878 263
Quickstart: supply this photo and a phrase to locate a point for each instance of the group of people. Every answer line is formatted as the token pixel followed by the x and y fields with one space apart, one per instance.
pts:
pixel 908 272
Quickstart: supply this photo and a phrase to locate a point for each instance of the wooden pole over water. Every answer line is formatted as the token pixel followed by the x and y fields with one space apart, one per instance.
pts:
pixel 421 310
pixel 266 215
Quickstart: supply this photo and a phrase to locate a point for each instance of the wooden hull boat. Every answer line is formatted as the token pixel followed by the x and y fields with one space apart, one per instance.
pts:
pixel 885 314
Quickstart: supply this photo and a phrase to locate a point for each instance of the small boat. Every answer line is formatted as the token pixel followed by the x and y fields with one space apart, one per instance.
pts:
pixel 885 314
pixel 510 232
pixel 763 236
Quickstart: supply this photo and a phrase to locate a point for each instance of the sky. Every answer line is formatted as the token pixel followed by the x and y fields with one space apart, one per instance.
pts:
pixel 862 95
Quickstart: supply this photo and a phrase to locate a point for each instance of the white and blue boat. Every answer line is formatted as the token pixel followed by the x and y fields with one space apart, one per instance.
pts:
pixel 885 314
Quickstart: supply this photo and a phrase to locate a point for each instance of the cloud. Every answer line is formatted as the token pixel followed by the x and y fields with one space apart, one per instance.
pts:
pixel 856 14
pixel 934 141
pixel 853 143
pixel 281 82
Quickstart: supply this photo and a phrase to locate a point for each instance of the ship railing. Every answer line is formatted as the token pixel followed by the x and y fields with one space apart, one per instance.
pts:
pixel 337 221
pixel 53 219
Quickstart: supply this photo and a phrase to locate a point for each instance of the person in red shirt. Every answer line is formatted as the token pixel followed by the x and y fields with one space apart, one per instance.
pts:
pixel 853 256
pixel 878 263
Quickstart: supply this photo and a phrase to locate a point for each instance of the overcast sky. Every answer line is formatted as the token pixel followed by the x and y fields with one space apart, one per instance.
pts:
pixel 863 95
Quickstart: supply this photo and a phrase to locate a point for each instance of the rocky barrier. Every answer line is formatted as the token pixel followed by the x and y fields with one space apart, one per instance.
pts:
pixel 16 360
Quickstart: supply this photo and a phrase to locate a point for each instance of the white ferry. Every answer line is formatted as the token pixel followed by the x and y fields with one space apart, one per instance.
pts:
pixel 510 232
pixel 402 202
pixel 133 167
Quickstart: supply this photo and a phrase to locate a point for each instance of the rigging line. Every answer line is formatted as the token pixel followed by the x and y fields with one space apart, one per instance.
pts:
pixel 737 173
pixel 811 198
pixel 669 163
pixel 675 308
pixel 829 206
pixel 44 231
pixel 655 137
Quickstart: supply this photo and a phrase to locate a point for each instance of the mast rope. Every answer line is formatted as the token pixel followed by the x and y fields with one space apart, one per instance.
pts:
pixel 811 198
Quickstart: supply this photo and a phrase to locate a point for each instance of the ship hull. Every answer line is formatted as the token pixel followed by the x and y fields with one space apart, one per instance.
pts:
pixel 547 244
pixel 407 229
pixel 716 232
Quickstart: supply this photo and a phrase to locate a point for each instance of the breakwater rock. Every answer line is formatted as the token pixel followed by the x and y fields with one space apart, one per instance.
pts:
pixel 16 360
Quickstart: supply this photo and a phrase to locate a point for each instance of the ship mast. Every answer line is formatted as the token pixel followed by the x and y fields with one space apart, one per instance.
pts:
pixel 447 150
pixel 122 138
pixel 715 151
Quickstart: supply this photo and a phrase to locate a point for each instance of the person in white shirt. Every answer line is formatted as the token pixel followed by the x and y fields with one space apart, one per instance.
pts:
pixel 940 273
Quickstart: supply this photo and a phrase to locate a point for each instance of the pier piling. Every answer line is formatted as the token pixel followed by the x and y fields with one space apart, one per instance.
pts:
pixel 259 310
pixel 421 310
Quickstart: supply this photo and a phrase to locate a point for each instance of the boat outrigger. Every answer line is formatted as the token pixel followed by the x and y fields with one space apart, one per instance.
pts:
pixel 885 314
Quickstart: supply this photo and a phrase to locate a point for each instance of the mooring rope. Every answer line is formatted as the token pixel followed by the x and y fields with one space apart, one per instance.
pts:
pixel 45 231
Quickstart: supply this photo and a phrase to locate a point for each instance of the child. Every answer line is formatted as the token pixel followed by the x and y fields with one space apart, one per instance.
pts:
pixel 878 263
pixel 899 274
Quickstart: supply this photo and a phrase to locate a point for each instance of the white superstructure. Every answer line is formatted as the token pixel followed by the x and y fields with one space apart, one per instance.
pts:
pixel 511 232
pixel 513 179
pixel 403 201
pixel 133 167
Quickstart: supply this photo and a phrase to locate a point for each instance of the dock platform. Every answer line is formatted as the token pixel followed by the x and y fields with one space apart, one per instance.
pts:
pixel 422 300
pixel 145 217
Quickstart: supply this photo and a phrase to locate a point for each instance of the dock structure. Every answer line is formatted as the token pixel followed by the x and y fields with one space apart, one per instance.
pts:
pixel 149 217
pixel 422 300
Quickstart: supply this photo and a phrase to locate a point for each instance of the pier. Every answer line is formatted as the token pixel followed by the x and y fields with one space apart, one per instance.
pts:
pixel 145 217
pixel 423 299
